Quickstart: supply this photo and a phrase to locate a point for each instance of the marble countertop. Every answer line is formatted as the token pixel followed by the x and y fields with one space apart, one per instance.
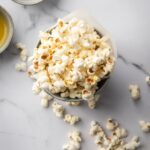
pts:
pixel 25 125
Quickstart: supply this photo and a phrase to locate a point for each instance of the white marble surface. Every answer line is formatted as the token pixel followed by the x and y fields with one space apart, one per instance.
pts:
pixel 25 125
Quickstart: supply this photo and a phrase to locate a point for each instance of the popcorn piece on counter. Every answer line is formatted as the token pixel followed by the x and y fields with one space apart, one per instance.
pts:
pixel 75 136
pixel 147 79
pixel 95 128
pixel 71 119
pixel 111 124
pixel 145 126
pixel 120 132
pixel 36 88
pixel 133 144
pixel 58 109
pixel 22 66
pixel 44 102
pixel 114 142
pixel 74 141
pixel 135 91
pixel 23 51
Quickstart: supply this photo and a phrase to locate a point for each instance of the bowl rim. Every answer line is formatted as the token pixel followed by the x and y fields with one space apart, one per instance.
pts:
pixel 102 31
pixel 10 27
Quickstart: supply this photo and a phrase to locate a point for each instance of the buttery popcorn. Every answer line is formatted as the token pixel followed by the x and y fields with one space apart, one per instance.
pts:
pixel 71 119
pixel 135 91
pixel 147 79
pixel 116 141
pixel 74 141
pixel 145 126
pixel 44 102
pixel 72 58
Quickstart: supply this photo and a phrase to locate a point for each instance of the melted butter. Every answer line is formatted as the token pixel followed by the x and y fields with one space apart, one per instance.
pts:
pixel 3 29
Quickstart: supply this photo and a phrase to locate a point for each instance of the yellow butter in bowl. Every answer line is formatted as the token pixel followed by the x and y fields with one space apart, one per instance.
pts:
pixel 6 29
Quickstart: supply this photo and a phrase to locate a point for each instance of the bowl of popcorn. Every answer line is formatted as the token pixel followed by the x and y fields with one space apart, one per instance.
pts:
pixel 73 59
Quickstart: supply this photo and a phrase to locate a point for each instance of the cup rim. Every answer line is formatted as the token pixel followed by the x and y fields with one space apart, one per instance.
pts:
pixel 10 26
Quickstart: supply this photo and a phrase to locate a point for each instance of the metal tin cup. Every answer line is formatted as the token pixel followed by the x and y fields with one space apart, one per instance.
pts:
pixel 10 29
pixel 102 32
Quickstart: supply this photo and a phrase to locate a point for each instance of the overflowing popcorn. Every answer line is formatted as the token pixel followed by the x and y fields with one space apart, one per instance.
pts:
pixel 135 91
pixel 145 126
pixel 74 141
pixel 71 119
pixel 71 59
pixel 114 142
pixel 147 79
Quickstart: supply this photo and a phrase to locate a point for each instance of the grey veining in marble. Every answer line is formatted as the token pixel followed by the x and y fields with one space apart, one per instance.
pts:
pixel 25 125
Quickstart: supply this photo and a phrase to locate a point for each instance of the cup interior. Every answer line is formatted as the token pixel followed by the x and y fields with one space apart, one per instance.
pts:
pixel 9 26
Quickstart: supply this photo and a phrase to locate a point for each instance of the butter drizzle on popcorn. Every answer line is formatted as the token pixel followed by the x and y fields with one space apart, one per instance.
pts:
pixel 72 58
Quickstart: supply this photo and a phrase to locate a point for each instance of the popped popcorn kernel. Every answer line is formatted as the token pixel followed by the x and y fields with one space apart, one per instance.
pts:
pixel 111 124
pixel 44 102
pixel 135 91
pixel 58 109
pixel 75 140
pixel 22 66
pixel 145 126
pixel 71 119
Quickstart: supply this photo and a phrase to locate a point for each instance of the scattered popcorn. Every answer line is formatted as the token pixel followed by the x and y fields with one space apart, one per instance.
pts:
pixel 44 102
pixel 120 132
pixel 92 104
pixel 74 141
pixel 147 79
pixel 145 126
pixel 23 51
pixel 135 91
pixel 21 66
pixel 133 144
pixel 74 58
pixel 36 88
pixel 111 124
pixel 114 142
pixel 58 109
pixel 71 119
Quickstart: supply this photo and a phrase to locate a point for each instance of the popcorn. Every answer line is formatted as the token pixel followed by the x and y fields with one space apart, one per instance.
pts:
pixel 44 102
pixel 116 141
pixel 58 109
pixel 133 144
pixel 44 95
pixel 147 79
pixel 135 91
pixel 23 51
pixel 71 119
pixel 74 141
pixel 21 66
pixel 120 132
pixel 72 59
pixel 145 126
pixel 111 124
pixel 36 88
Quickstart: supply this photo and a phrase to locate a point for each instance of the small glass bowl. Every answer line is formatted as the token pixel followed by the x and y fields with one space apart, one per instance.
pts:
pixel 102 32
